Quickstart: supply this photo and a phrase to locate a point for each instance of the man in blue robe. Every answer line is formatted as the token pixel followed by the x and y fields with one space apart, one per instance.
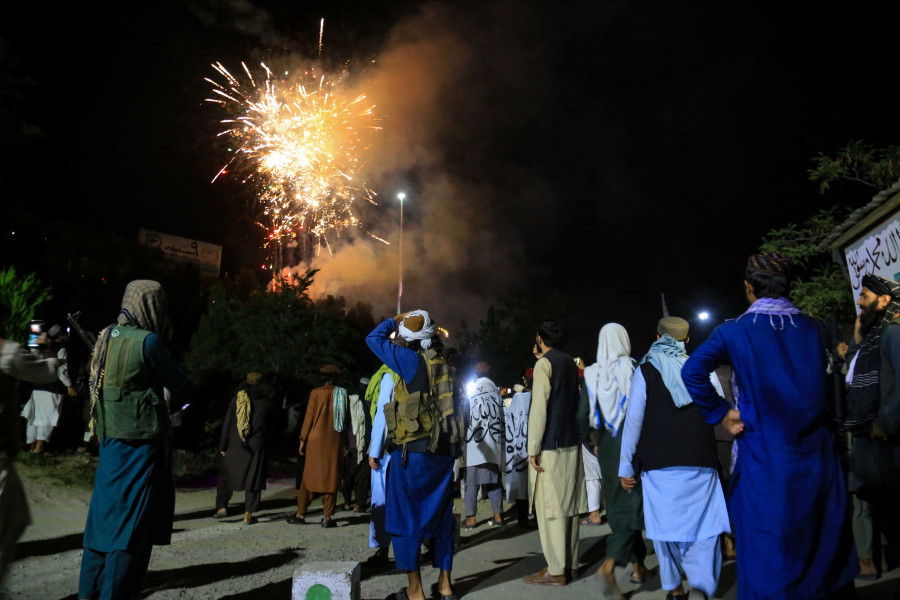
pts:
pixel 788 498
pixel 418 494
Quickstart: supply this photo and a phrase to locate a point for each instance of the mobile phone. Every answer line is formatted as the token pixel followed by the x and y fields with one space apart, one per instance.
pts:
pixel 35 329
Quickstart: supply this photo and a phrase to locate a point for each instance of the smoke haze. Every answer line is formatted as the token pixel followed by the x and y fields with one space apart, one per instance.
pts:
pixel 440 146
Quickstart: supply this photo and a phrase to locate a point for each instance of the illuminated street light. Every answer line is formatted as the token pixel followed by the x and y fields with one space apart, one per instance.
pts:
pixel 703 316
pixel 401 196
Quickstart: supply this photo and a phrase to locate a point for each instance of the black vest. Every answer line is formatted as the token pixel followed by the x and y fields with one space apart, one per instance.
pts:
pixel 672 436
pixel 562 421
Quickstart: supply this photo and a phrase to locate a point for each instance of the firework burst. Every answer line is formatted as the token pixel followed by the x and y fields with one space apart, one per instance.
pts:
pixel 300 143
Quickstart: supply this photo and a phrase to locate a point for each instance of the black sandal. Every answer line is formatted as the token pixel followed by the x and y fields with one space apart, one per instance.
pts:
pixel 436 593
pixel 401 595
pixel 295 520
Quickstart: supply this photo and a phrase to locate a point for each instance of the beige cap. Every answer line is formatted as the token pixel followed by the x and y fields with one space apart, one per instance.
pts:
pixel 674 326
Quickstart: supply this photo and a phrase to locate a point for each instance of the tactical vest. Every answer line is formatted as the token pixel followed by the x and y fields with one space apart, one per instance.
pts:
pixel 422 409
pixel 128 407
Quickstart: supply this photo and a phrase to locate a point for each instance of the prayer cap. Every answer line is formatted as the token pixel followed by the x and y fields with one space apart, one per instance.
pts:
pixel 769 263
pixel 330 370
pixel 253 378
pixel 674 326
pixel 880 286
pixel 54 332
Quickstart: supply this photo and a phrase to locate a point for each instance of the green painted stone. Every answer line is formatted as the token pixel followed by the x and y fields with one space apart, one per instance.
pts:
pixel 318 592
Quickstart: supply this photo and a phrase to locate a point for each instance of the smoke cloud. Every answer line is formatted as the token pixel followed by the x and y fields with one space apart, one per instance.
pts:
pixel 448 112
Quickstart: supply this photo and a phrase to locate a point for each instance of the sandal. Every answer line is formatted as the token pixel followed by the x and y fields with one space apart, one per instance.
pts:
pixel 436 593
pixel 401 595
pixel 328 523
pixel 639 575
pixel 589 523
pixel 295 520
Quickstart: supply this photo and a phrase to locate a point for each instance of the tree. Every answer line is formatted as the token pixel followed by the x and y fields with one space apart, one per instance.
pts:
pixel 821 288
pixel 859 162
pixel 280 332
pixel 505 337
pixel 19 299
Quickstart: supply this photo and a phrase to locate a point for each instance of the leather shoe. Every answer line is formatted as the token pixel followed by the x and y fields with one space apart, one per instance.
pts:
pixel 545 578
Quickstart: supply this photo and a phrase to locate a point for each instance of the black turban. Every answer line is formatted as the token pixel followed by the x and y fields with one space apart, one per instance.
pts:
pixel 881 286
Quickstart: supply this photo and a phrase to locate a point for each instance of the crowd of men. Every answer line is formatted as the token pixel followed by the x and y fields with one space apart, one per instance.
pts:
pixel 748 417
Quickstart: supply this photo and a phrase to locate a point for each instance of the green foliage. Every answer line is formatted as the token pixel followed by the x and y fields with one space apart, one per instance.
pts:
pixel 19 299
pixel 281 333
pixel 504 339
pixel 860 162
pixel 821 288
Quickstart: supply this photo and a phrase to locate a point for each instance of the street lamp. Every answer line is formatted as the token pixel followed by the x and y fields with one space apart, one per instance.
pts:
pixel 703 316
pixel 400 197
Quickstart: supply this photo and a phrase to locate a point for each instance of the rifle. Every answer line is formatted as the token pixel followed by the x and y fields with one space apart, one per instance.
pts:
pixel 87 337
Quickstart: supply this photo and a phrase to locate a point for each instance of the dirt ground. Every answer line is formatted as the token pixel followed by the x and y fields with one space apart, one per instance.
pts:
pixel 225 559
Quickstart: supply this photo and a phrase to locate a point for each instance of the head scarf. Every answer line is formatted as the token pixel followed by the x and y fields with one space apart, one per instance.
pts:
pixel 668 356
pixel 609 379
pixel 144 306
pixel 864 395
pixel 412 332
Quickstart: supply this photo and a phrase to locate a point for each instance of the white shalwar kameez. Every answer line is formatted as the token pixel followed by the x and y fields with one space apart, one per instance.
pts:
pixel 43 408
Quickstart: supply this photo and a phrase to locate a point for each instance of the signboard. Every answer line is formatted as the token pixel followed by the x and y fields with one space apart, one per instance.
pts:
pixel 878 252
pixel 206 257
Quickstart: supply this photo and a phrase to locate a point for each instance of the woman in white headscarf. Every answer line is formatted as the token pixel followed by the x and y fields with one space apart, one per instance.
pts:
pixel 608 382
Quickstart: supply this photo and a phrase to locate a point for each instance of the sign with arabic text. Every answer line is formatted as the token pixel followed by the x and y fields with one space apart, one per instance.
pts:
pixel 877 252
pixel 206 257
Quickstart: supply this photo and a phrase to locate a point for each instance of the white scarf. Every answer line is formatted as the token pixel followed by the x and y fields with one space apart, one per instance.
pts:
pixel 358 425
pixel 424 335
pixel 609 379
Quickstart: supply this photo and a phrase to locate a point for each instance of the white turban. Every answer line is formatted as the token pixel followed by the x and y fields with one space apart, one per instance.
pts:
pixel 424 335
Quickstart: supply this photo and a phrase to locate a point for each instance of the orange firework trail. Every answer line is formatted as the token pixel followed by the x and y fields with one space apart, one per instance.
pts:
pixel 300 143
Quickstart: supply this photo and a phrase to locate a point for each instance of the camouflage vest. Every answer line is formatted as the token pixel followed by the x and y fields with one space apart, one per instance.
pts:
pixel 416 415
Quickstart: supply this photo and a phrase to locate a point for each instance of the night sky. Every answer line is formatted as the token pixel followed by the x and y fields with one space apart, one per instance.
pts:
pixel 608 150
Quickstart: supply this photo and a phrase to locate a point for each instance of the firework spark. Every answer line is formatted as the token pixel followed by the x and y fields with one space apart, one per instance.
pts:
pixel 301 143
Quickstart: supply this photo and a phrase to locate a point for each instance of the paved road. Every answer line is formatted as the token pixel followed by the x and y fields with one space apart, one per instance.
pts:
pixel 214 559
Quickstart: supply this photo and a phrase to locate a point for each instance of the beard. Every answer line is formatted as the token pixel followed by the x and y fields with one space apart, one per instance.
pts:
pixel 868 316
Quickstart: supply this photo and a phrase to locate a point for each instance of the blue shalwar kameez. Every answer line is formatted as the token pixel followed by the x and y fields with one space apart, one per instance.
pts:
pixel 684 508
pixel 788 499
pixel 419 499
pixel 133 504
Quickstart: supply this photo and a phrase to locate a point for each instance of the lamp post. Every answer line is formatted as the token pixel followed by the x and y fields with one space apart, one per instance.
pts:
pixel 400 197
